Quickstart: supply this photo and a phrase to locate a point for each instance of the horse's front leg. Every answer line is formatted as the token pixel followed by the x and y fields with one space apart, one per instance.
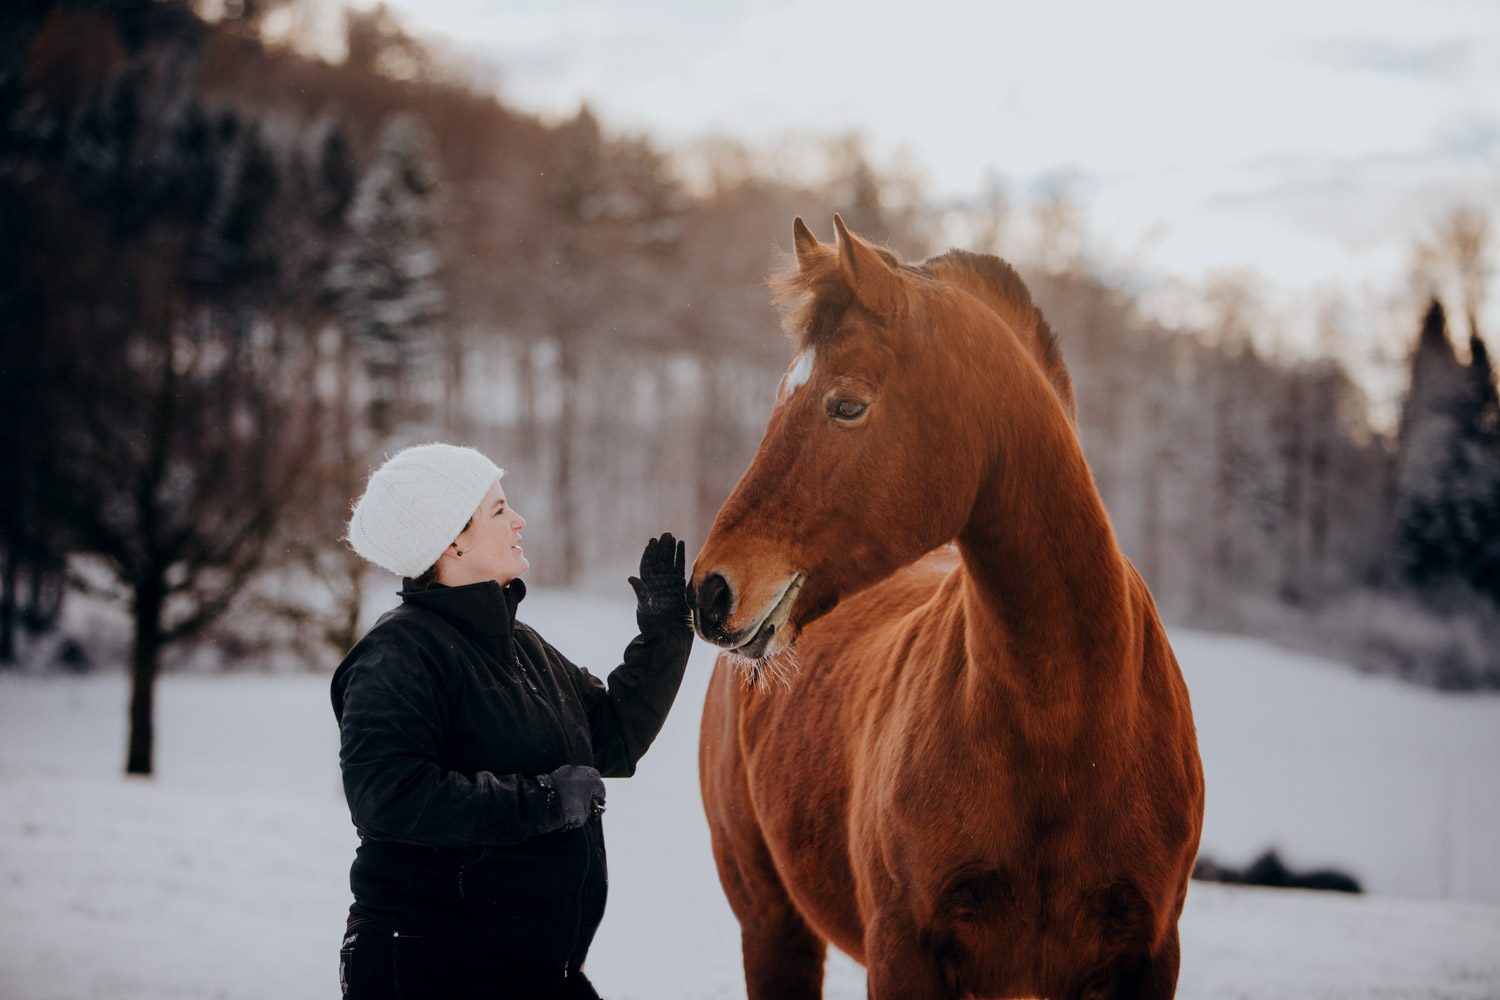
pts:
pixel 783 957
pixel 1149 976
pixel 901 964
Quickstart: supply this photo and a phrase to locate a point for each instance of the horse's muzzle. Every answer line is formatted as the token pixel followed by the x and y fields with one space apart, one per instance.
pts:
pixel 715 603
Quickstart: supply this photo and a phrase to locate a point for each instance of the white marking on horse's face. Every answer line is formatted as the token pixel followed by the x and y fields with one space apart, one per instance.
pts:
pixel 799 375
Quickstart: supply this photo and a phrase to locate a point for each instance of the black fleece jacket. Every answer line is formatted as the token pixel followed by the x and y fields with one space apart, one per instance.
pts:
pixel 449 710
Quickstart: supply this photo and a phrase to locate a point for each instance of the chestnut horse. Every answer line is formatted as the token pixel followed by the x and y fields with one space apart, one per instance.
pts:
pixel 981 777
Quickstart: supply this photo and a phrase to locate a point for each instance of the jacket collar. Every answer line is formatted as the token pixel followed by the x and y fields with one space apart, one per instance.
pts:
pixel 485 611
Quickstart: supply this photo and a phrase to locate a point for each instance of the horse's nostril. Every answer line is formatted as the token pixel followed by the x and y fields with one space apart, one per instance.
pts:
pixel 715 601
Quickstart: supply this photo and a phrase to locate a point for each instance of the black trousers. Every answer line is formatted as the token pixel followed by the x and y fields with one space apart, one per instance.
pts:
pixel 375 963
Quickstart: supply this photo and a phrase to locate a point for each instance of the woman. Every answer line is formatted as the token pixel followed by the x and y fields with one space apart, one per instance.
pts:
pixel 472 750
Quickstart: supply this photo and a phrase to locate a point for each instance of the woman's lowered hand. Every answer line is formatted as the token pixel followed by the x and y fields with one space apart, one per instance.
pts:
pixel 580 791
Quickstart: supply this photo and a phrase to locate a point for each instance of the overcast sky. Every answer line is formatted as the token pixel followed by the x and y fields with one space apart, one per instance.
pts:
pixel 1308 140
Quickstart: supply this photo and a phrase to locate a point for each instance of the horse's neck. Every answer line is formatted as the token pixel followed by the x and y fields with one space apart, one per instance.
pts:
pixel 1048 598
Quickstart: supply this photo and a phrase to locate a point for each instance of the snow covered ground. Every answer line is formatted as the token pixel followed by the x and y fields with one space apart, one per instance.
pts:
pixel 224 876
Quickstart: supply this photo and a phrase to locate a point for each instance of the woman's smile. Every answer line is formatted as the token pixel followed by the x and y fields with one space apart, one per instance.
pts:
pixel 490 546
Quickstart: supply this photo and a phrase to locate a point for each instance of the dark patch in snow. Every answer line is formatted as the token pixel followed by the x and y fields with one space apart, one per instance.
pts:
pixel 1270 870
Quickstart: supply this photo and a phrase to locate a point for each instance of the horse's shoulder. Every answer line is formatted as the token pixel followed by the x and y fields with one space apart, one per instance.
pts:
pixel 921 579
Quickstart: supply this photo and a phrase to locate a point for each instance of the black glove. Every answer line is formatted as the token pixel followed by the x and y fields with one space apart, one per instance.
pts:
pixel 580 790
pixel 661 589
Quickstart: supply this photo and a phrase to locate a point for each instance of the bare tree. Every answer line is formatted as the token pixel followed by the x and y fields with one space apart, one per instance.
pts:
pixel 171 338
pixel 181 470
pixel 1456 261
pixel 615 223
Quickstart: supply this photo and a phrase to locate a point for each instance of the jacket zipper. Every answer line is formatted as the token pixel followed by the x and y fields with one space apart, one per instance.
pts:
pixel 582 890
pixel 563 730
pixel 567 742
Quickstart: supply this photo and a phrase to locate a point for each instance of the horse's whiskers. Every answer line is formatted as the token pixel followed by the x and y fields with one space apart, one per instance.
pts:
pixel 776 669
pixel 781 668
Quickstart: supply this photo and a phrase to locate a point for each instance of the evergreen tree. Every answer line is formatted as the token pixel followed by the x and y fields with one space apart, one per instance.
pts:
pixel 1448 472
pixel 1482 395
pixel 386 277
pixel 1429 428
pixel 1478 494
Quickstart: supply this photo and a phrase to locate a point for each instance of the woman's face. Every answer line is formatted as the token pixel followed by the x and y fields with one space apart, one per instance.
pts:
pixel 491 544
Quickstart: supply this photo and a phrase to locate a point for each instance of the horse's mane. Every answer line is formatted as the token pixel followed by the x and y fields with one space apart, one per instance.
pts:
pixel 996 283
pixel 812 300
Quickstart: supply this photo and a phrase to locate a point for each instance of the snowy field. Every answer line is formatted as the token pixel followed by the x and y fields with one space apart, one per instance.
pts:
pixel 225 876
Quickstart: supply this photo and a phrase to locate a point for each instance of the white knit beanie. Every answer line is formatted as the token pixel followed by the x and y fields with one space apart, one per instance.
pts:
pixel 417 503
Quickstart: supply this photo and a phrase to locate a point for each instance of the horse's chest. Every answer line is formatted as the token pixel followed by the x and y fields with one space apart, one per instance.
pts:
pixel 938 801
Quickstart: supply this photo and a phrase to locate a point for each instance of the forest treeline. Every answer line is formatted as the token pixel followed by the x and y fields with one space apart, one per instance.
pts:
pixel 235 276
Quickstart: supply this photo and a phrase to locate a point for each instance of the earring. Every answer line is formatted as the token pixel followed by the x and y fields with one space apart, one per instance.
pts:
pixel 458 551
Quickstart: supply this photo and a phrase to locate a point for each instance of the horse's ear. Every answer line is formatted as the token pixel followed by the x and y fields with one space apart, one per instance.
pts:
pixel 809 250
pixel 874 282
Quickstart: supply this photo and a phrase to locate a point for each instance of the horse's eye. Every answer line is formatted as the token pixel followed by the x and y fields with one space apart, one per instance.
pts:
pixel 847 409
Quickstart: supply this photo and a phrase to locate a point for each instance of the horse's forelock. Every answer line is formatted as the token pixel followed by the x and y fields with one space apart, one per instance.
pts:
pixel 813 296
pixel 812 299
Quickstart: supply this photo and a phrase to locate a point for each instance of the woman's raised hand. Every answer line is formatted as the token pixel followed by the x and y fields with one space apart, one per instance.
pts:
pixel 661 589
